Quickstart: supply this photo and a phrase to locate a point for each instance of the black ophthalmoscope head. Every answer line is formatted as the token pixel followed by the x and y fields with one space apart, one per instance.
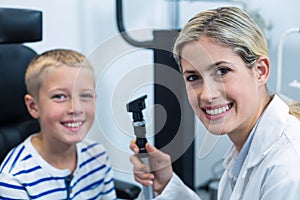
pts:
pixel 136 107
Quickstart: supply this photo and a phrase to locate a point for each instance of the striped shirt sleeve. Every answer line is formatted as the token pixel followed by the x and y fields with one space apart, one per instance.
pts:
pixel 10 188
pixel 109 188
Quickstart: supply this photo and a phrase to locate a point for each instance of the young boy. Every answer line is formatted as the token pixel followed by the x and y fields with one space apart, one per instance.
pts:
pixel 56 163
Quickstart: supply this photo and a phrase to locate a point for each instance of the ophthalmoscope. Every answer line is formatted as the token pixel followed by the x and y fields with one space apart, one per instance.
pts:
pixel 136 107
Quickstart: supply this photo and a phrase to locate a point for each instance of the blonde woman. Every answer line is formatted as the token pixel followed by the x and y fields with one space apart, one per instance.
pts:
pixel 224 61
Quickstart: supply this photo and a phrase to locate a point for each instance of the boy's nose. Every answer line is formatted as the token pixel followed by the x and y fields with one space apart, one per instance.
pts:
pixel 75 107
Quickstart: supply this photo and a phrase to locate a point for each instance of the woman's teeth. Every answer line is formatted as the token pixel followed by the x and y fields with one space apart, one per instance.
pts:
pixel 217 110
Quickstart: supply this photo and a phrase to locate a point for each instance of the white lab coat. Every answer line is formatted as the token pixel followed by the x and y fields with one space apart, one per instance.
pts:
pixel 271 170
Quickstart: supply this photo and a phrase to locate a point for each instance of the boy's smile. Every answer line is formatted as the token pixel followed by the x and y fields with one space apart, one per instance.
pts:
pixel 66 104
pixel 73 126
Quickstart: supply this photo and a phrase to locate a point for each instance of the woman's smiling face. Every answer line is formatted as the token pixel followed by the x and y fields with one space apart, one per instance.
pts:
pixel 224 93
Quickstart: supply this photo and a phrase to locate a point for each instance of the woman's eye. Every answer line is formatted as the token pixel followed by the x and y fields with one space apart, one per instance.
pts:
pixel 223 71
pixel 192 78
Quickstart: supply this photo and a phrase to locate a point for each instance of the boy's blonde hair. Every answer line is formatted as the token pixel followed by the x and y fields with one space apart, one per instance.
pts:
pixel 50 59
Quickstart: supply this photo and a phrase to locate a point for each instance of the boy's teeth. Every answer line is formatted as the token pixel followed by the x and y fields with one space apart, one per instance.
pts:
pixel 74 124
pixel 217 110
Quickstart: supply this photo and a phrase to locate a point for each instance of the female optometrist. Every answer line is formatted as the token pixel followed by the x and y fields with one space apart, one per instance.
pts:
pixel 224 60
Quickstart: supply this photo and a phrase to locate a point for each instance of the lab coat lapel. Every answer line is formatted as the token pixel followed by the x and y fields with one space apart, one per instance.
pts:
pixel 265 138
pixel 267 134
pixel 268 131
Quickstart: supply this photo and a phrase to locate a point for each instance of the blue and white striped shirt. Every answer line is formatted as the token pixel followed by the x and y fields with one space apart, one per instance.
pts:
pixel 24 174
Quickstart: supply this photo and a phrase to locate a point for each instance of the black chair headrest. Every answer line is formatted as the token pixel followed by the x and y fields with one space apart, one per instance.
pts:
pixel 20 25
pixel 16 26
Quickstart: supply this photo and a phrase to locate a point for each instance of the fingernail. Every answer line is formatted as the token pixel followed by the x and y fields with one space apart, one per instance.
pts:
pixel 135 150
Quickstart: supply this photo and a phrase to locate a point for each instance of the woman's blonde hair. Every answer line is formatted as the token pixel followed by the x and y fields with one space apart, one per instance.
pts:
pixel 295 109
pixel 50 59
pixel 228 26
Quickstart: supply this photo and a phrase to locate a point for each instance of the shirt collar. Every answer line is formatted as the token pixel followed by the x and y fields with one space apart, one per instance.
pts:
pixel 238 158
pixel 243 153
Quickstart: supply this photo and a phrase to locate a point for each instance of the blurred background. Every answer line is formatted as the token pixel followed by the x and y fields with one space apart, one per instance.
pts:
pixel 90 27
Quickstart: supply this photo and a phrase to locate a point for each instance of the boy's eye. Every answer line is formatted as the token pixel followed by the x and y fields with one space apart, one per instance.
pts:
pixel 87 96
pixel 223 71
pixel 59 96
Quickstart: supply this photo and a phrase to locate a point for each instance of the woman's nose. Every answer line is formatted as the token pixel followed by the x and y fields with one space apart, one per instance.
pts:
pixel 208 91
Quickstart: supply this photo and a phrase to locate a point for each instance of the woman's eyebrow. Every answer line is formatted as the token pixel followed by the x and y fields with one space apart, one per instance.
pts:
pixel 210 67
pixel 219 63
pixel 189 72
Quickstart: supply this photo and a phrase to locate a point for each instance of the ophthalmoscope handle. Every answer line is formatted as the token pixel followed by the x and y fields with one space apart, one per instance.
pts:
pixel 140 132
pixel 136 107
pixel 147 190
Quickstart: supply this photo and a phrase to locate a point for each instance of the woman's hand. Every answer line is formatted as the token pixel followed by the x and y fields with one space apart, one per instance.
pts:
pixel 160 172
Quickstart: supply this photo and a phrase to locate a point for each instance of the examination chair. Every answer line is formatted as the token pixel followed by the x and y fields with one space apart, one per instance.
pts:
pixel 18 26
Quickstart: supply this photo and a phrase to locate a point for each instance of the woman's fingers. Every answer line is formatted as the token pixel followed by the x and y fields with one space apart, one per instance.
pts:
pixel 144 178
pixel 160 167
pixel 138 165
pixel 133 146
pixel 141 174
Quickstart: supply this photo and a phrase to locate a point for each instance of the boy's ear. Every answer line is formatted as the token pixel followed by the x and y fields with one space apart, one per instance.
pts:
pixel 262 69
pixel 32 106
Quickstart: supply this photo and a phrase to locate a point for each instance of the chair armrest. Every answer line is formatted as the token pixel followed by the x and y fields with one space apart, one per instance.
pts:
pixel 126 190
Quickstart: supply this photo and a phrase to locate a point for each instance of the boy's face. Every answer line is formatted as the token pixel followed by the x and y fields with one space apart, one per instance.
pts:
pixel 66 106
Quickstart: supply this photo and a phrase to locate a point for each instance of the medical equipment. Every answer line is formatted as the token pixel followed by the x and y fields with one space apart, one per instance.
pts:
pixel 279 61
pixel 136 107
pixel 173 116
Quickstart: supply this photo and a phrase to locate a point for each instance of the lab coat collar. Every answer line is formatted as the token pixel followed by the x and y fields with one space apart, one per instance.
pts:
pixel 269 130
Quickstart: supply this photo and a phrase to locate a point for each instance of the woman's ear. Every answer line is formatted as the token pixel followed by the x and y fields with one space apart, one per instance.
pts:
pixel 262 69
pixel 32 106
